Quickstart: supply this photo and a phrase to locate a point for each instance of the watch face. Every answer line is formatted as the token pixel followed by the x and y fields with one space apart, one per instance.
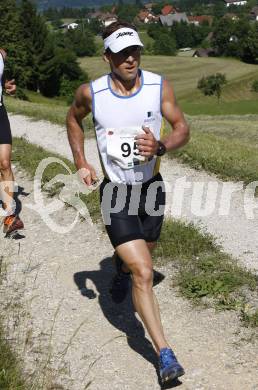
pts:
pixel 161 150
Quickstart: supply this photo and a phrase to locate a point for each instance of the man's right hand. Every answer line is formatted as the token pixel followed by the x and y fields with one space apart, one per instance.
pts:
pixel 10 87
pixel 88 174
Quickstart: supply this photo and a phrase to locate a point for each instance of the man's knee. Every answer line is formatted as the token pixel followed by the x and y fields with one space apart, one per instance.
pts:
pixel 5 165
pixel 142 275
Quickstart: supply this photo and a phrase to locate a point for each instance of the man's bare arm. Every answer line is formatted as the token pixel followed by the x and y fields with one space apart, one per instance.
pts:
pixel 80 108
pixel 3 52
pixel 180 134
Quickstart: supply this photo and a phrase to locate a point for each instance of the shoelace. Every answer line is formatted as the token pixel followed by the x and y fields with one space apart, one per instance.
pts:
pixel 166 356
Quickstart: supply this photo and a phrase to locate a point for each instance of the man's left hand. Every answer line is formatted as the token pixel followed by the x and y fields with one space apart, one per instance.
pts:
pixel 146 143
pixel 10 87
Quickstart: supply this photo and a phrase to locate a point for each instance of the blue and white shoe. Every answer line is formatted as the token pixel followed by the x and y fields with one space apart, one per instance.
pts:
pixel 169 367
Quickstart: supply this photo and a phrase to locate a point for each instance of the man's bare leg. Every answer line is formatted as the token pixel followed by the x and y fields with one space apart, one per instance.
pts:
pixel 137 258
pixel 6 177
pixel 151 246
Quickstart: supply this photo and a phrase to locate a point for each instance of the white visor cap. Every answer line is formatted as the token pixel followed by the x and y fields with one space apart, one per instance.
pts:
pixel 122 38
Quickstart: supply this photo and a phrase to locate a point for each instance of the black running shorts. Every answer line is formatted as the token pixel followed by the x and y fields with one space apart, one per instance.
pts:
pixel 5 129
pixel 132 212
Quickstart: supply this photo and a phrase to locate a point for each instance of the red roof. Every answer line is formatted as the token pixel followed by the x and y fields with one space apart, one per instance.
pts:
pixel 200 19
pixel 167 9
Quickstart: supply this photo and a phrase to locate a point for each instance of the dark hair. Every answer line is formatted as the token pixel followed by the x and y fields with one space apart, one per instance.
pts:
pixel 116 26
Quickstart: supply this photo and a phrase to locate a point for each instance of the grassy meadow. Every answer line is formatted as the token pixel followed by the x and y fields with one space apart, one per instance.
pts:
pixel 184 72
pixel 225 144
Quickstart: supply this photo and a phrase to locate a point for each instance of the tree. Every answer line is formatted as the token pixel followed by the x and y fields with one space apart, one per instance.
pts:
pixel 250 45
pixel 58 63
pixel 219 9
pixel 236 38
pixel 34 34
pixel 183 34
pixel 11 40
pixel 165 45
pixel 127 12
pixel 212 85
pixel 254 86
pixel 82 41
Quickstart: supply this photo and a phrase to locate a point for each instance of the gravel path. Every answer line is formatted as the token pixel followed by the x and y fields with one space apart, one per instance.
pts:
pixel 57 308
pixel 235 232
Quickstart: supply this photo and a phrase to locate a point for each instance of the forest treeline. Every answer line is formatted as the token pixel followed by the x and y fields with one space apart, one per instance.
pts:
pixel 38 59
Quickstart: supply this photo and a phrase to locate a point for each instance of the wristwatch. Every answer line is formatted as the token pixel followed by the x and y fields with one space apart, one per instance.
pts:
pixel 161 149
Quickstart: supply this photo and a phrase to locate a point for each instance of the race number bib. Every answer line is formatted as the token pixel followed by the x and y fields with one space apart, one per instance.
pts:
pixel 121 147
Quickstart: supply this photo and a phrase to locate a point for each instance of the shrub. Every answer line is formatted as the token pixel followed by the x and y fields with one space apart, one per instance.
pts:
pixel 212 85
pixel 255 86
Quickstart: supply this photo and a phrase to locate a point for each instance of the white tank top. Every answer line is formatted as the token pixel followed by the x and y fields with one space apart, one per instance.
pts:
pixel 118 119
pixel 1 75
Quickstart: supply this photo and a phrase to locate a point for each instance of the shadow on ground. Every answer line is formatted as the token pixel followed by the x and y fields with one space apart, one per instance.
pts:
pixel 121 316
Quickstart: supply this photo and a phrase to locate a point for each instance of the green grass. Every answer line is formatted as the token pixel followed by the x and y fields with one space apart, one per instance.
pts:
pixel 11 377
pixel 203 270
pixel 211 107
pixel 225 146
pixel 184 72
pixel 28 156
pixel 145 38
pixel 41 108
pixel 54 113
pixel 250 319
pixel 10 370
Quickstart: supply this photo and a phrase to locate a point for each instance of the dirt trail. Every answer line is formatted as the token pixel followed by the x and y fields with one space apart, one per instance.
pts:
pixel 56 304
pixel 234 231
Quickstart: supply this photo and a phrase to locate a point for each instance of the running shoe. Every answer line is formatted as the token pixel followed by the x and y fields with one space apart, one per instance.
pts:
pixel 169 367
pixel 121 281
pixel 12 223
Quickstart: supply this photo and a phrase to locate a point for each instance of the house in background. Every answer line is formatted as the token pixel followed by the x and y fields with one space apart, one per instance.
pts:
pixel 231 16
pixel 235 2
pixel 146 16
pixel 169 20
pixel 197 20
pixel 72 26
pixel 205 52
pixel 106 18
pixel 254 13
pixel 69 26
pixel 167 10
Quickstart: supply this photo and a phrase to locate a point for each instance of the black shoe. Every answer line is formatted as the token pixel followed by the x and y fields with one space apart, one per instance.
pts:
pixel 120 282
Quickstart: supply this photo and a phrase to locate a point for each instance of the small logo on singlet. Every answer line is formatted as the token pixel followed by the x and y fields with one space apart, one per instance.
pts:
pixel 150 117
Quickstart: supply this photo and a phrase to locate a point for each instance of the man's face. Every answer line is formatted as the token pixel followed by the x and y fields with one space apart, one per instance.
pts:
pixel 125 63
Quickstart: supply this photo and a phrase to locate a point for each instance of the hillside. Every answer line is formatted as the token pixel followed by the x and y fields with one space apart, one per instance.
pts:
pixel 44 4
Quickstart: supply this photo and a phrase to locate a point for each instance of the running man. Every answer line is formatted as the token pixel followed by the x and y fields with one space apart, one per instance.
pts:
pixel 11 222
pixel 128 106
